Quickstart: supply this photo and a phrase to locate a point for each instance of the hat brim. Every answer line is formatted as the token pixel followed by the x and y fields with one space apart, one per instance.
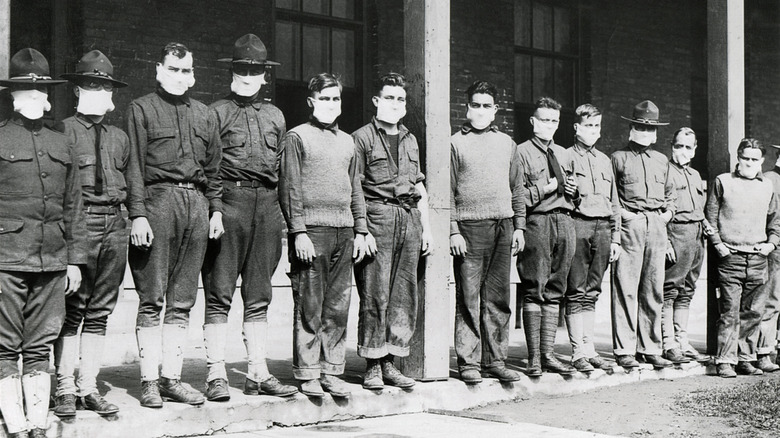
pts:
pixel 248 61
pixel 77 76
pixel 645 122
pixel 26 81
pixel 776 146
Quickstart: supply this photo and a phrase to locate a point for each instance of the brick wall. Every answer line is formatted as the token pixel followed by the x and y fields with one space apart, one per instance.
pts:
pixel 132 34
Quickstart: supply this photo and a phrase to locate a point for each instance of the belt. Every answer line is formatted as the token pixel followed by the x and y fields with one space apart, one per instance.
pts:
pixel 253 183
pixel 688 222
pixel 101 209
pixel 565 211
pixel 406 205
pixel 650 210
pixel 579 215
pixel 182 185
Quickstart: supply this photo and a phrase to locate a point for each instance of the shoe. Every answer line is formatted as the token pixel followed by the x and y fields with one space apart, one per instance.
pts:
pixel 626 361
pixel 36 432
pixel 676 356
pixel 503 374
pixel 22 434
pixel 95 402
pixel 217 390
pixel 312 388
pixel 726 371
pixel 150 394
pixel 766 365
pixel 270 386
pixel 173 390
pixel 392 376
pixel 65 405
pixel 373 377
pixel 550 363
pixel 534 368
pixel 599 362
pixel 583 365
pixel 335 386
pixel 470 376
pixel 747 369
pixel 655 360
pixel 532 326
pixel 695 355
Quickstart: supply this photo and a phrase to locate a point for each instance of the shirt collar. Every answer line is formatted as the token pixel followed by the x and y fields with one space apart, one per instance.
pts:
pixel 580 148
pixel 541 144
pixel 333 127
pixel 638 148
pixel 172 99
pixel 402 130
pixel 87 122
pixel 255 101
pixel 466 128
pixel 30 125
pixel 759 175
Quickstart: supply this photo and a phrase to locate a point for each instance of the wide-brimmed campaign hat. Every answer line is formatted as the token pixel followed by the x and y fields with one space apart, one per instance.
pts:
pixel 94 65
pixel 29 66
pixel 645 113
pixel 249 49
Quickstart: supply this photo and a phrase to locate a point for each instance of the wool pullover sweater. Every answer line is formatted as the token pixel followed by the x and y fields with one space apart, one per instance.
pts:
pixel 485 177
pixel 743 212
pixel 318 183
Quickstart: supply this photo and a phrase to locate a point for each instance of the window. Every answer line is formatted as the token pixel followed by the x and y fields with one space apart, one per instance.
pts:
pixel 547 58
pixel 314 36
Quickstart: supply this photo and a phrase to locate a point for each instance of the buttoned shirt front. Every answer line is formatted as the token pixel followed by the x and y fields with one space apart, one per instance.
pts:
pixel 381 177
pixel 114 154
pixel 41 219
pixel 249 135
pixel 690 193
pixel 596 184
pixel 536 175
pixel 172 140
pixel 640 174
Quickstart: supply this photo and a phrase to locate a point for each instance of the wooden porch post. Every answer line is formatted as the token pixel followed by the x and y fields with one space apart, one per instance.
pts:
pixel 726 101
pixel 427 60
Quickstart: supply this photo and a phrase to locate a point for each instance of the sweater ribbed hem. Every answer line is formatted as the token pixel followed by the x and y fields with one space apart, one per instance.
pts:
pixel 483 212
pixel 329 218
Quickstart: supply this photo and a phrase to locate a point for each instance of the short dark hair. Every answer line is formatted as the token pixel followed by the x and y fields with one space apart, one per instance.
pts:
pixel 750 143
pixel 686 131
pixel 391 79
pixel 178 50
pixel 584 111
pixel 322 81
pixel 547 102
pixel 481 87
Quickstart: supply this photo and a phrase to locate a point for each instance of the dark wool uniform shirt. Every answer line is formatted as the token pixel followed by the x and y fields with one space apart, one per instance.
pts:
pixel 41 218
pixel 640 173
pixel 536 174
pixel 596 184
pixel 114 154
pixel 171 141
pixel 381 176
pixel 690 193
pixel 249 134
pixel 291 190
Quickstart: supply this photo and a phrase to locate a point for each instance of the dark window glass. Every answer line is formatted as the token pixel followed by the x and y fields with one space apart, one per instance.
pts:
pixel 523 23
pixel 289 4
pixel 287 51
pixel 542 27
pixel 343 8
pixel 316 44
pixel 342 56
pixel 316 6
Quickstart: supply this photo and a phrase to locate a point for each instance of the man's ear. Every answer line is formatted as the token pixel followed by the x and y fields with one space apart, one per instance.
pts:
pixel 309 102
pixel 375 100
pixel 76 90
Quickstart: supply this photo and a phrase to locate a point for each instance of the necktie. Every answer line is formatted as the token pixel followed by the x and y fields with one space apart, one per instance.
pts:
pixel 98 161
pixel 555 169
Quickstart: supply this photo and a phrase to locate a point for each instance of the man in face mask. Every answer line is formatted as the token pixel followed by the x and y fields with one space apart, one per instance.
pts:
pixel 173 187
pixel 597 230
pixel 249 129
pixel 767 339
pixel 388 163
pixel 647 201
pixel 102 151
pixel 744 214
pixel 323 204
pixel 486 229
pixel 40 259
pixel 684 250
pixel 551 195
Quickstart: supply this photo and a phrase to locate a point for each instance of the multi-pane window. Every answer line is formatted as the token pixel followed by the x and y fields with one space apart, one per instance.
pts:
pixel 314 36
pixel 547 54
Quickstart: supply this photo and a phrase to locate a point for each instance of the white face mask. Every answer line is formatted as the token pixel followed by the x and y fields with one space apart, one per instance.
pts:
pixel 748 172
pixel 326 111
pixel 544 131
pixel 176 83
pixel 247 86
pixel 643 138
pixel 587 135
pixel 389 111
pixel 31 103
pixel 682 156
pixel 480 118
pixel 95 102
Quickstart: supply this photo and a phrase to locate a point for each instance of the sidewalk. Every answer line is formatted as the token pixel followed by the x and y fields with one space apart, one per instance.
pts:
pixel 119 381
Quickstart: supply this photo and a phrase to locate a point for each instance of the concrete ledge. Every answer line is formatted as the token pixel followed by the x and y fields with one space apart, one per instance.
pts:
pixel 246 413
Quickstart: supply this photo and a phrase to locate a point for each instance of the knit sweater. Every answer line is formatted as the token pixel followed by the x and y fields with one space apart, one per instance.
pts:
pixel 326 184
pixel 743 212
pixel 480 175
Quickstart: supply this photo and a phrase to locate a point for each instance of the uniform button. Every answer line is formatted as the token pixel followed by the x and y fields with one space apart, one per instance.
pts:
pixel 44 174
pixel 40 154
pixel 45 197
pixel 35 133
pixel 12 156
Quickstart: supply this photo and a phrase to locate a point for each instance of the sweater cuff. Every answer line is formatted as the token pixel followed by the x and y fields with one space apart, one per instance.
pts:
pixel 215 205
pixel 774 240
pixel 297 225
pixel 454 228
pixel 361 226
pixel 519 222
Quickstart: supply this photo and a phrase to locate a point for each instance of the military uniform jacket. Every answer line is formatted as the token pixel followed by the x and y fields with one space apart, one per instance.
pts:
pixel 41 219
